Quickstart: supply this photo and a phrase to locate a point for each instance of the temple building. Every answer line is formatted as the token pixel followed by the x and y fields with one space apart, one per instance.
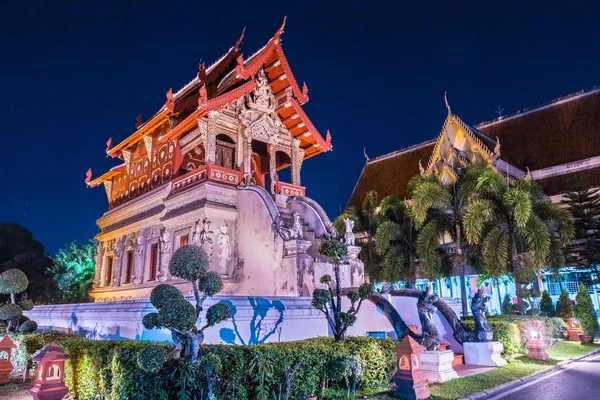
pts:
pixel 204 170
pixel 552 144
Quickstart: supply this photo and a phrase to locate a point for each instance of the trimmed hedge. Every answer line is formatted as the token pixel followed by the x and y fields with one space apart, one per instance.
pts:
pixel 111 369
pixel 507 330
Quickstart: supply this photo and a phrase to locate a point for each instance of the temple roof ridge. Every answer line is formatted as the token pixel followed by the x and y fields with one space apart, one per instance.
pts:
pixel 542 106
pixel 401 151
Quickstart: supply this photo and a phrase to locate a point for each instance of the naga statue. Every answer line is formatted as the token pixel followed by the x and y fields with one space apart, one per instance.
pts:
pixel 430 338
pixel 483 331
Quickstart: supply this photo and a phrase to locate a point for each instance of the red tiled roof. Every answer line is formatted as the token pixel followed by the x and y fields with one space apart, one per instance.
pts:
pixel 389 174
pixel 559 184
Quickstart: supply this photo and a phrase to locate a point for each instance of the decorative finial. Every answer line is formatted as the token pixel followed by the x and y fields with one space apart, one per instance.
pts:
pixel 88 176
pixel 497 148
pixel 138 121
pixel 304 90
pixel 239 68
pixel 170 104
pixel 447 105
pixel 328 138
pixel 277 36
pixel 109 144
pixel 421 169
pixel 239 42
pixel 528 174
pixel 202 72
pixel 203 98
pixel 365 154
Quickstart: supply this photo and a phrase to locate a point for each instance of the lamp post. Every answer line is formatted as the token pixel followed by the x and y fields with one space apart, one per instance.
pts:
pixel 536 345
pixel 49 380
pixel 411 382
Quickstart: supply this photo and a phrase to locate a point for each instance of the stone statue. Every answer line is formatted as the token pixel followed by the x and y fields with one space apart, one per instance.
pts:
pixel 206 237
pixel 196 232
pixel 430 338
pixel 349 235
pixel 224 243
pixel 116 280
pixel 138 262
pixel 296 232
pixel 483 331
pixel 165 254
pixel 99 259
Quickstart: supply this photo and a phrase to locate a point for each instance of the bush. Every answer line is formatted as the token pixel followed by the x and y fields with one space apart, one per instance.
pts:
pixel 163 294
pixel 189 262
pixel 28 327
pixel 115 370
pixel 546 305
pixel 564 307
pixel 13 281
pixel 507 304
pixel 585 312
pixel 9 312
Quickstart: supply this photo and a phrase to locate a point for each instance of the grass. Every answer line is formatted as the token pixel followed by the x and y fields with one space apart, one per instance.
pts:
pixel 518 367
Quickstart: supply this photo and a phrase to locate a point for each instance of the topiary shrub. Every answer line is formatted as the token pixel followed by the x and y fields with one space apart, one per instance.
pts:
pixel 564 307
pixel 177 314
pixel 151 359
pixel 507 305
pixel 546 305
pixel 10 312
pixel 28 327
pixel 329 302
pixel 585 312
pixel 26 305
pixel 12 282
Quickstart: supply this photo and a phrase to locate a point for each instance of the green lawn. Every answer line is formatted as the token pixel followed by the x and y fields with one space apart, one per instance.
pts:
pixel 517 368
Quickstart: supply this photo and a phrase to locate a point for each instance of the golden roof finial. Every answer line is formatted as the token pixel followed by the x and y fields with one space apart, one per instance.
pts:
pixel 447 105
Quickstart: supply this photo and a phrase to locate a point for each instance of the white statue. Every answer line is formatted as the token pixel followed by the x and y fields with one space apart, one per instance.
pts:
pixel 224 248
pixel 116 278
pixel 165 254
pixel 206 237
pixel 196 232
pixel 349 235
pixel 138 261
pixel 296 232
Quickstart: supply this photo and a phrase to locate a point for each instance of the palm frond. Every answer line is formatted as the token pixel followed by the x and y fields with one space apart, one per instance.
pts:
pixel 425 195
pixel 491 183
pixel 387 233
pixel 559 216
pixel 427 247
pixel 537 236
pixel 496 252
pixel 478 214
pixel 517 199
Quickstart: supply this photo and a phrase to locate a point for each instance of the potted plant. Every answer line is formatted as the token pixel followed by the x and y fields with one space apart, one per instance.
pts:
pixel 585 313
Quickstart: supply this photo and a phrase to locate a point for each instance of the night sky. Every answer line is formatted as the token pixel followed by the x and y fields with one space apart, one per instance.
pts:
pixel 74 73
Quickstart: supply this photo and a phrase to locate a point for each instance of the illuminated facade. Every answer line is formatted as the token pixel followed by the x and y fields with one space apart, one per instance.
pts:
pixel 204 170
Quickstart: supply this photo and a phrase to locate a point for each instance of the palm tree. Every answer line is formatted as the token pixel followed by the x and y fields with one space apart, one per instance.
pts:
pixel 366 221
pixel 437 208
pixel 518 229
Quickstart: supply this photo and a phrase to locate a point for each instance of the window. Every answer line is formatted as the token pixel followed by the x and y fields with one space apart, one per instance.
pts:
pixel 129 267
pixel 109 271
pixel 183 240
pixel 153 262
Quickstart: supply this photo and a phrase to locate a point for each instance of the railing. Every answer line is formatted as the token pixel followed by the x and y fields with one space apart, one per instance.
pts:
pixel 290 190
pixel 205 173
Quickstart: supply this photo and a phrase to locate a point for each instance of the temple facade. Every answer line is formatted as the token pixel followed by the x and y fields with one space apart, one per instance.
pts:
pixel 204 170
pixel 552 144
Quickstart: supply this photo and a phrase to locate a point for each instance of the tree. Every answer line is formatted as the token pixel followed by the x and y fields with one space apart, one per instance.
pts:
pixel 511 223
pixel 18 250
pixel 585 312
pixel 329 302
pixel 584 204
pixel 175 313
pixel 564 307
pixel 546 305
pixel 13 282
pixel 507 305
pixel 73 271
pixel 437 208
pixel 366 220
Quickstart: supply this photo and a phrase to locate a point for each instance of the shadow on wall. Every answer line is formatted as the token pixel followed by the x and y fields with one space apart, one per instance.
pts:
pixel 259 331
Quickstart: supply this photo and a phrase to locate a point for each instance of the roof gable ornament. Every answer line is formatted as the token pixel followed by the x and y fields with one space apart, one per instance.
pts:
pixel 447 105
pixel 170 103
pixel 109 144
pixel 496 154
pixel 138 121
pixel 203 96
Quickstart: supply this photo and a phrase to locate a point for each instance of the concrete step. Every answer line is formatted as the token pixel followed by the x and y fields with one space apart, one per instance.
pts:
pixel 459 359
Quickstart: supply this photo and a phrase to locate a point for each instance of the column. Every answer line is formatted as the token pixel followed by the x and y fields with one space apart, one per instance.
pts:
pixel 118 262
pixel 99 264
pixel 248 161
pixel 211 137
pixel 239 147
pixel 273 168
pixel 297 158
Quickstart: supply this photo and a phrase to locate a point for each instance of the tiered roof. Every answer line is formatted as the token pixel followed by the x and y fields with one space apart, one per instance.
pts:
pixel 563 131
pixel 222 83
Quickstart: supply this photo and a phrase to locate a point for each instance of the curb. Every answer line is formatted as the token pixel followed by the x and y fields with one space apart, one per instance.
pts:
pixel 517 382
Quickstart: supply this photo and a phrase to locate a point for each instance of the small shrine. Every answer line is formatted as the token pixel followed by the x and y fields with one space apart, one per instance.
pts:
pixel 49 379
pixel 6 367
pixel 410 381
pixel 536 344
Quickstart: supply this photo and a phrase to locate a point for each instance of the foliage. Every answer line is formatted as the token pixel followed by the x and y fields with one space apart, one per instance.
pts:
pixel 438 209
pixel 175 312
pixel 366 220
pixel 507 304
pixel 585 312
pixel 28 327
pixel 13 281
pixel 10 312
pixel 510 221
pixel 329 302
pixel 151 359
pixel 26 305
pixel 73 271
pixel 546 305
pixel 564 307
pixel 111 369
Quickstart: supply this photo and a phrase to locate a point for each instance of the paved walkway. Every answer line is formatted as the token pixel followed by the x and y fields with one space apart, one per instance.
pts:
pixel 578 380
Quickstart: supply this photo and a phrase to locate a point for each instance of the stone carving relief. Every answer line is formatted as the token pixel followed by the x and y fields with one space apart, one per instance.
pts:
pixel 349 235
pixel 99 258
pixel 138 262
pixel 202 236
pixel 297 231
pixel 224 242
pixel 165 254
pixel 118 262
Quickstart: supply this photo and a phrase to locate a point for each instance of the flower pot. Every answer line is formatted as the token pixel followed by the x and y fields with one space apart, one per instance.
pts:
pixel 584 338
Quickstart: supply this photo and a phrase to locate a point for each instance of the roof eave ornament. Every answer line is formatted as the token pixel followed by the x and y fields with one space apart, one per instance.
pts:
pixel 528 175
pixel 109 145
pixel 88 177
pixel 328 140
pixel 203 97
pixel 138 121
pixel 202 72
pixel 239 42
pixel 421 169
pixel 240 70
pixel 303 96
pixel 447 105
pixel 277 37
pixel 170 103
pixel 496 154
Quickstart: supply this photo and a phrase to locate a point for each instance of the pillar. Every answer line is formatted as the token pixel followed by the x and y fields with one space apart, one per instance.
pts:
pixel 99 259
pixel 211 137
pixel 118 262
pixel 248 161
pixel 239 147
pixel 273 168
pixel 297 158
